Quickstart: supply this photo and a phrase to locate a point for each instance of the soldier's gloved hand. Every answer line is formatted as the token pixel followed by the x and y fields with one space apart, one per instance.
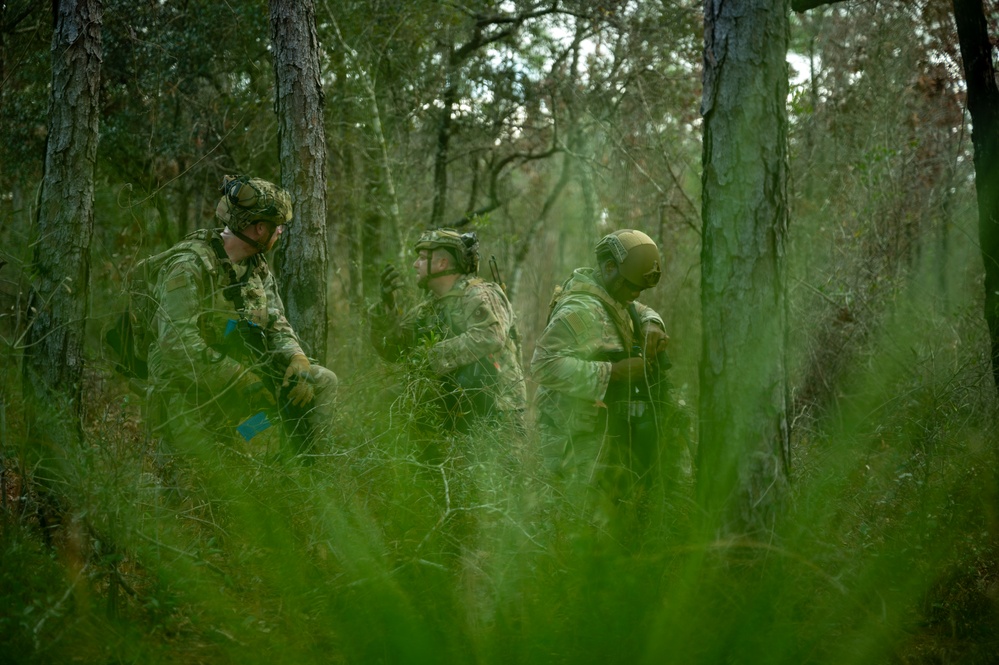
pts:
pixel 629 369
pixel 391 282
pixel 302 392
pixel 655 341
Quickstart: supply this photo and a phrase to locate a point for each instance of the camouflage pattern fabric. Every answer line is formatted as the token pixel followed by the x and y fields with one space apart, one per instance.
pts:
pixel 470 325
pixel 572 365
pixel 195 363
pixel 248 200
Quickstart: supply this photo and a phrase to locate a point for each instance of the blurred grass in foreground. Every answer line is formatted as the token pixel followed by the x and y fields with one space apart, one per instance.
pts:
pixel 887 552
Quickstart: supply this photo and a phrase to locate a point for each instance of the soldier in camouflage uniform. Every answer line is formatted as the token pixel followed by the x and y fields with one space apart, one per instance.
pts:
pixel 463 331
pixel 224 358
pixel 598 365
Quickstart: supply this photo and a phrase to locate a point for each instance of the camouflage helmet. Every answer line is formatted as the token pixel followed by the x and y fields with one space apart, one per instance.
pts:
pixel 636 256
pixel 464 247
pixel 247 200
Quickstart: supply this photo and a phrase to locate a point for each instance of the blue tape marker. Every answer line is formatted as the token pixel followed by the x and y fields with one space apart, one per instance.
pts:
pixel 253 425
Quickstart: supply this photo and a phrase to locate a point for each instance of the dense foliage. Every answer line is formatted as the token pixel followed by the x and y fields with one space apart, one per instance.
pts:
pixel 540 130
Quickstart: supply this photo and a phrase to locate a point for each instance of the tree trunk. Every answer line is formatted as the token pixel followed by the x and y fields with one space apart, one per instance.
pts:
pixel 983 104
pixel 744 437
pixel 302 147
pixel 53 355
pixel 441 155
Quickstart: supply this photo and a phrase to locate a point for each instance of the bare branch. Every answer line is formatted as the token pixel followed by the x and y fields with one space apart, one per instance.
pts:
pixel 483 21
pixel 804 5
pixel 494 175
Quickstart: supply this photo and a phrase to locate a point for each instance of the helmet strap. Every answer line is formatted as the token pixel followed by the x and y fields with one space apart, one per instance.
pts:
pixel 452 270
pixel 260 247
pixel 422 283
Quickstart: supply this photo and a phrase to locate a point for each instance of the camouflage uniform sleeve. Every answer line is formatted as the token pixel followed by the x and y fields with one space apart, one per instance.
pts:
pixel 281 338
pixel 484 318
pixel 648 316
pixel 561 357
pixel 181 291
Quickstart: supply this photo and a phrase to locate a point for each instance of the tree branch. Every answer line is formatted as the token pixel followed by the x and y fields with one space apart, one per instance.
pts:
pixel 804 5
pixel 485 21
pixel 494 174
pixel 457 56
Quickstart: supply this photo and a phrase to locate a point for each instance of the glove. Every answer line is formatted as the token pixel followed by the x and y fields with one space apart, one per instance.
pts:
pixel 655 341
pixel 299 369
pixel 391 282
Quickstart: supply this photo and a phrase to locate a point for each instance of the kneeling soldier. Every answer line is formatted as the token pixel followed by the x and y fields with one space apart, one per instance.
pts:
pixel 224 357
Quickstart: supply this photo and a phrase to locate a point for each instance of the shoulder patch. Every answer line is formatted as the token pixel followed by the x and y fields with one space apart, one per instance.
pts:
pixel 575 323
pixel 178 281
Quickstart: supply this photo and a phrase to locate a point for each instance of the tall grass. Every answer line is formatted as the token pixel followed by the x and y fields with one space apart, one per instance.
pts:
pixel 381 553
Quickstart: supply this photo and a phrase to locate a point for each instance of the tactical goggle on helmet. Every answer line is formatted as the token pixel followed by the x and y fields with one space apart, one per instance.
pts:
pixel 246 201
pixel 464 247
pixel 636 256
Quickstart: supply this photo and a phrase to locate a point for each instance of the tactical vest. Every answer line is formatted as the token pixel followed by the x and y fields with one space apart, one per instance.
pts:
pixel 132 334
pixel 623 401
pixel 628 329
pixel 472 386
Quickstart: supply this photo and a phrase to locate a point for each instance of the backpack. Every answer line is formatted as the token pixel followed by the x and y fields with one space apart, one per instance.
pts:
pixel 132 332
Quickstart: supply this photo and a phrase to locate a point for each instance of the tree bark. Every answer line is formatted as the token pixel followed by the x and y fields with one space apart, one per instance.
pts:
pixel 441 154
pixel 54 354
pixel 983 105
pixel 302 148
pixel 744 437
